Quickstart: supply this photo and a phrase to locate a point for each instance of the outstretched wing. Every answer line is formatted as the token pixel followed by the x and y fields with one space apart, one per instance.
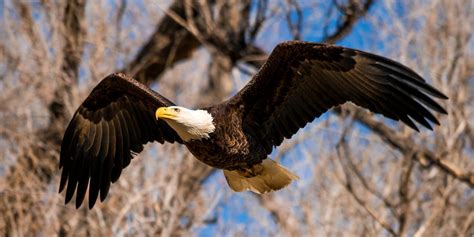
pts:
pixel 300 81
pixel 110 126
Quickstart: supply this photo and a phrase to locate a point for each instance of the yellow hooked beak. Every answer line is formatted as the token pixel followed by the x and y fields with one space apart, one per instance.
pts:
pixel 165 113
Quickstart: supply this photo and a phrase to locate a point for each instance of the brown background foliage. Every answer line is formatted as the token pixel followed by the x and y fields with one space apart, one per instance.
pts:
pixel 361 174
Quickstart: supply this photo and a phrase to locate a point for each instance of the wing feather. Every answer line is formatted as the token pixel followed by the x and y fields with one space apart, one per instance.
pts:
pixel 105 140
pixel 112 124
pixel 126 140
pixel 71 186
pixel 83 180
pixel 132 131
pixel 300 81
pixel 106 177
pixel 98 138
pixel 90 137
pixel 96 177
pixel 119 152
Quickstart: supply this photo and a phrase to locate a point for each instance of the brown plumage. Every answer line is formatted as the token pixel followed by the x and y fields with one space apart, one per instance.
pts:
pixel 299 82
pixel 110 126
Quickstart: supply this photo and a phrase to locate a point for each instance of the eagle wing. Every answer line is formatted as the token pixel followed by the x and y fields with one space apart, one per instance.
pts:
pixel 106 131
pixel 300 81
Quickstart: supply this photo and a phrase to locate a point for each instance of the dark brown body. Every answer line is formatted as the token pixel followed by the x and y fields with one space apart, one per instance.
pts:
pixel 229 146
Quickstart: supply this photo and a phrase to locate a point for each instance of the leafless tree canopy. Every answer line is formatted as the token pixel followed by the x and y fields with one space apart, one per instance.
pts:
pixel 362 175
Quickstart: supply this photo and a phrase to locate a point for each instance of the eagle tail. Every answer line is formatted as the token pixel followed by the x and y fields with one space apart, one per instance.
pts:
pixel 269 176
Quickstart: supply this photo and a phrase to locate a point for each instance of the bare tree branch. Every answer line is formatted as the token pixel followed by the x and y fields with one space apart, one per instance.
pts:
pixel 351 13
pixel 167 191
pixel 421 154
pixel 348 184
pixel 37 162
pixel 295 25
pixel 169 44
pixel 281 215
pixel 404 193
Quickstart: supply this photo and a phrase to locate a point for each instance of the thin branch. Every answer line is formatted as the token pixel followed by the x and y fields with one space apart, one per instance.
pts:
pixel 365 184
pixel 347 183
pixel 403 192
pixel 421 154
pixel 282 216
pixel 153 58
pixel 260 18
pixel 295 25
pixel 351 14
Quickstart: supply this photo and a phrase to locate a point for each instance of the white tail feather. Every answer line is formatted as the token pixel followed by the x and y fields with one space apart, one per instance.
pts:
pixel 272 177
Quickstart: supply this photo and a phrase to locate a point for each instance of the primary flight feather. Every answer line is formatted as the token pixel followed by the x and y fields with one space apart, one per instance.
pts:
pixel 299 82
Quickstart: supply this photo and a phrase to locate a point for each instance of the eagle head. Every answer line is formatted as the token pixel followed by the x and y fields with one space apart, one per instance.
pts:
pixel 189 124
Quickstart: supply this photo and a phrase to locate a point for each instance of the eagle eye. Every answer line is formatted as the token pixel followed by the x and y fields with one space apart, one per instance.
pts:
pixel 176 110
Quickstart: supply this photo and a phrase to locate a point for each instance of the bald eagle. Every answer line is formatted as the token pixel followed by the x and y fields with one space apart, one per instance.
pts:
pixel 298 83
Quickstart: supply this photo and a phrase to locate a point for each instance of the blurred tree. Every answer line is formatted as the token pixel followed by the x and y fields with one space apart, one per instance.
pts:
pixel 369 178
